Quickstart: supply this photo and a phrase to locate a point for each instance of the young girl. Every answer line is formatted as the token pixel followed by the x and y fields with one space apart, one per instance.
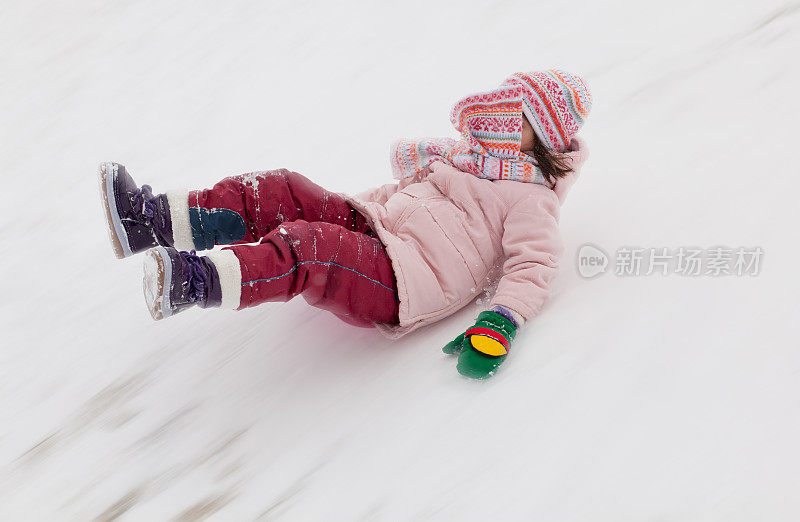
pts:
pixel 465 215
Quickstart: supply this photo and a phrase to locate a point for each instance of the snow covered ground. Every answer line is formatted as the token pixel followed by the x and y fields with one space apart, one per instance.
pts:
pixel 629 398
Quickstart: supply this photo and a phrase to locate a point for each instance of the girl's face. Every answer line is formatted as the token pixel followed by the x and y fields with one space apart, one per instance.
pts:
pixel 528 136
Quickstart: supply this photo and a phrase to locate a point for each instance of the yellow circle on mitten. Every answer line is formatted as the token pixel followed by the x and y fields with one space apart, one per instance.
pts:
pixel 487 345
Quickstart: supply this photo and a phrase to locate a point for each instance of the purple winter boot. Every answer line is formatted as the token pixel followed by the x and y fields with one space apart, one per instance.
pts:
pixel 137 220
pixel 174 281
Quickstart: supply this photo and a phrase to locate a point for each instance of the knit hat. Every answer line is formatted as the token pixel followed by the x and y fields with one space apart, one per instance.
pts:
pixel 555 102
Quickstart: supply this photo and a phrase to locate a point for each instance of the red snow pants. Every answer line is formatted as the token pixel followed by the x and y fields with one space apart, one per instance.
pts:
pixel 311 243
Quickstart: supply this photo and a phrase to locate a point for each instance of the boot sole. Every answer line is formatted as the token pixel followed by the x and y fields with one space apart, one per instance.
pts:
pixel 156 282
pixel 106 175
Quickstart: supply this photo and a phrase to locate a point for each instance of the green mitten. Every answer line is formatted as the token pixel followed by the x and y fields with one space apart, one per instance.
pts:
pixel 483 347
pixel 454 346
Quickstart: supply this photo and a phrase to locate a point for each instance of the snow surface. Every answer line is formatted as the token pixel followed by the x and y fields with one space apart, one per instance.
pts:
pixel 639 398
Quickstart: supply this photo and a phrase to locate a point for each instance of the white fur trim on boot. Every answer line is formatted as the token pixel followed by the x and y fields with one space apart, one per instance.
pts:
pixel 179 214
pixel 230 277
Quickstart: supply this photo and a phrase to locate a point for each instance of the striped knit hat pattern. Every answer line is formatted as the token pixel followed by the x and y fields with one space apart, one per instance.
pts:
pixel 555 102
pixel 491 122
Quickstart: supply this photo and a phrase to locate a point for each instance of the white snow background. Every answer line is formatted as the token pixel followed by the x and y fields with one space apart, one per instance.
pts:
pixel 640 398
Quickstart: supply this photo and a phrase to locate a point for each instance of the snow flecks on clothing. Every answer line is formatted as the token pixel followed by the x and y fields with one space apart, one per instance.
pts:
pixel 359 251
pixel 487 290
pixel 314 256
pixel 324 204
pixel 339 247
pixel 258 177
pixel 150 280
pixel 325 262
pixel 250 186
pixel 280 217
pixel 303 238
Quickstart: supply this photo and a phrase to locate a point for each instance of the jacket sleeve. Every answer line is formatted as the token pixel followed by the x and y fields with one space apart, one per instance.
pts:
pixel 382 194
pixel 379 194
pixel 532 247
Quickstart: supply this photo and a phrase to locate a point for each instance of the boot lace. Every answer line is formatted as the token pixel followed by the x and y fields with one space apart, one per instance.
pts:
pixel 196 279
pixel 142 201
pixel 145 210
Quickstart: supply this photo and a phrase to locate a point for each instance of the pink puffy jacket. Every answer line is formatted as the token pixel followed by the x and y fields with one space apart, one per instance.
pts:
pixel 450 235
